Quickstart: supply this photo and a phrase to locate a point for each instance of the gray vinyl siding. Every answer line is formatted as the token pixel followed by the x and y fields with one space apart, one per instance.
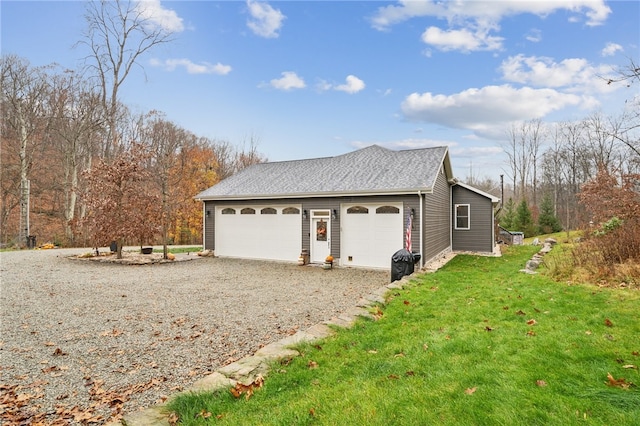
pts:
pixel 479 236
pixel 209 242
pixel 412 202
pixel 437 219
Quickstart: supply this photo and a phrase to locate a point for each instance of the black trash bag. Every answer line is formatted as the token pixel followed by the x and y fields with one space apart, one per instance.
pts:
pixel 402 263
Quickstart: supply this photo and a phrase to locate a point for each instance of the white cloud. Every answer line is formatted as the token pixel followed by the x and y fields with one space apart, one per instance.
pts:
pixel 472 22
pixel 454 12
pixel 610 49
pixel 543 71
pixel 265 20
pixel 534 35
pixel 482 109
pixel 464 39
pixel 353 85
pixel 191 67
pixel 573 74
pixel 393 14
pixel 153 11
pixel 289 81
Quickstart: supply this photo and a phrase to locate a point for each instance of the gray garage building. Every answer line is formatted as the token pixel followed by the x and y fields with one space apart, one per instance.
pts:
pixel 359 207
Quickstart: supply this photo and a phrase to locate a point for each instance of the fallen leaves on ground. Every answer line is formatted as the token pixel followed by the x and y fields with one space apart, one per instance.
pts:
pixel 377 313
pixel 471 391
pixel 173 418
pixel 618 383
pixel 248 390
pixel 15 406
pixel 541 383
pixel 113 333
pixel 608 322
pixel 203 414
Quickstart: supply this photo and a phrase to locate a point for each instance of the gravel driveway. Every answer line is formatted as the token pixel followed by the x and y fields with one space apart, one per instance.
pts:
pixel 83 341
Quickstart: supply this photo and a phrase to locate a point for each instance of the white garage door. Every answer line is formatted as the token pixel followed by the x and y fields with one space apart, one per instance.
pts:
pixel 370 234
pixel 259 232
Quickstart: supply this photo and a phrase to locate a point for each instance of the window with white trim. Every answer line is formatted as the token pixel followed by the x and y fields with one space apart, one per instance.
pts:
pixel 462 220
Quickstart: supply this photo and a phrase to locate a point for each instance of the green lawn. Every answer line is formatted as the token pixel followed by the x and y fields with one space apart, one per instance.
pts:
pixel 476 343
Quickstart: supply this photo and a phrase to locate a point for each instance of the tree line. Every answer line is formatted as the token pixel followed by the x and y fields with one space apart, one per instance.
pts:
pixel 57 142
pixel 67 139
pixel 548 164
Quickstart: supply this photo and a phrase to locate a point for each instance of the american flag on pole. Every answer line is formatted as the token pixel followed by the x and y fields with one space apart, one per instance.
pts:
pixel 407 242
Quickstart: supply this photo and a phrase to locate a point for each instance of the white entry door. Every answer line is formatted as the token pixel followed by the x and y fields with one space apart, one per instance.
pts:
pixel 320 236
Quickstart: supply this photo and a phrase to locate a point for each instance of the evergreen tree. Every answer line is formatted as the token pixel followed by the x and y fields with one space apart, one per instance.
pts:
pixel 508 215
pixel 523 221
pixel 548 222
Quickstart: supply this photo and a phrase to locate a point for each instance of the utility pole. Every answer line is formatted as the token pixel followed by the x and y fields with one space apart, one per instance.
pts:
pixel 501 191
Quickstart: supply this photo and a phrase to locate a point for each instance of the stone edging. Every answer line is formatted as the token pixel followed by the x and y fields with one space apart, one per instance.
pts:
pixel 537 259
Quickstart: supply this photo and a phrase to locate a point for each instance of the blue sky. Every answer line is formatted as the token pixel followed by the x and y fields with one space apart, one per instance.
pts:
pixel 322 78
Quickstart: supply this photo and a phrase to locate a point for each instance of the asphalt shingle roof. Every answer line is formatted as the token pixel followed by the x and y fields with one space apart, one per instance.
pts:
pixel 371 170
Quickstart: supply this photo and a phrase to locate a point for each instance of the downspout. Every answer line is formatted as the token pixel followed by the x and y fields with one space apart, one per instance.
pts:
pixel 421 231
pixel 204 227
pixel 451 217
pixel 493 230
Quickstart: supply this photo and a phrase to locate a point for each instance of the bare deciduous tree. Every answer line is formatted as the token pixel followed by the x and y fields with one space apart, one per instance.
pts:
pixel 164 141
pixel 523 150
pixel 75 110
pixel 118 33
